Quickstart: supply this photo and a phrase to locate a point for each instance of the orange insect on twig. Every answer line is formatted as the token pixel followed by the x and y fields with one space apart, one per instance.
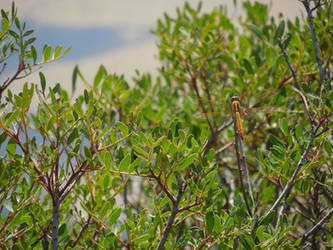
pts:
pixel 237 113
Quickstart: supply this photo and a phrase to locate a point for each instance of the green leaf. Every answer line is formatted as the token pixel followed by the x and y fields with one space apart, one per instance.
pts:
pixel 73 136
pixel 217 224
pixel 187 162
pixel 62 229
pixel 287 40
pixel 279 31
pixel 106 182
pixel 29 41
pixel 114 216
pixel 19 219
pixel 134 165
pixel 140 151
pixel 209 221
pixel 256 31
pixel 47 53
pixel 78 108
pixel 3 137
pixel 42 81
pixel 123 128
pixel 299 130
pixel 248 66
pixel 276 141
pixel 328 147
pixel 17 23
pixel 210 156
pixel 13 11
pixel 5 24
pixel 267 219
pixel 33 54
pixel 57 51
pixel 141 238
pixel 284 125
pixel 11 117
pixel 74 77
pixel 99 75
pixel 67 50
pixel 28 33
pixel 125 163
pixel 11 147
pixel 107 160
pixel 13 34
pixel 298 241
pixel 86 96
pixel 87 152
pixel 229 61
pixel 3 14
pixel 260 233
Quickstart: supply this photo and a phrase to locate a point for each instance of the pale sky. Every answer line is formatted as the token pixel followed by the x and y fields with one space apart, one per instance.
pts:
pixel 114 33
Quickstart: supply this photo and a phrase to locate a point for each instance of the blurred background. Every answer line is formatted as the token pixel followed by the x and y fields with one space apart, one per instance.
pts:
pixel 109 32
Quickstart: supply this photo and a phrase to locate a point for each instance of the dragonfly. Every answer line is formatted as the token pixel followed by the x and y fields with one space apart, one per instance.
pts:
pixel 237 113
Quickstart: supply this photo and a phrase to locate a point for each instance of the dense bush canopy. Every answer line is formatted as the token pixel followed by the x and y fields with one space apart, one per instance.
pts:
pixel 175 161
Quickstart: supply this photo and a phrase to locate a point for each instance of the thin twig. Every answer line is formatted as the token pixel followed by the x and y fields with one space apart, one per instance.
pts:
pixel 308 9
pixel 224 125
pixel 317 226
pixel 238 140
pixel 212 110
pixel 220 150
pixel 312 220
pixel 297 87
pixel 240 170
pixel 281 211
pixel 214 135
pixel 246 170
pixel 84 227
pixel 194 84
pixel 290 182
pixel 160 183
pixel 288 63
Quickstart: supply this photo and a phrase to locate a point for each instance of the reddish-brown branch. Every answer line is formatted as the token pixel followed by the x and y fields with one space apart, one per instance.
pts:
pixel 160 183
pixel 72 179
pixel 196 203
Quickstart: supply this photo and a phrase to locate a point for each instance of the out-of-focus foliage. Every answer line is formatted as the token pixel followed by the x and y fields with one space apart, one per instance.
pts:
pixel 152 163
pixel 17 41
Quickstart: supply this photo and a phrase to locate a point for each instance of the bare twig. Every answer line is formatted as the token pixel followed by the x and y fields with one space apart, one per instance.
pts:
pixel 281 211
pixel 308 9
pixel 288 63
pixel 214 135
pixel 240 171
pixel 318 225
pixel 212 110
pixel 312 220
pixel 298 89
pixel 220 150
pixel 290 182
pixel 327 193
pixel 44 235
pixel 241 160
pixel 246 170
pixel 84 227
pixel 194 84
